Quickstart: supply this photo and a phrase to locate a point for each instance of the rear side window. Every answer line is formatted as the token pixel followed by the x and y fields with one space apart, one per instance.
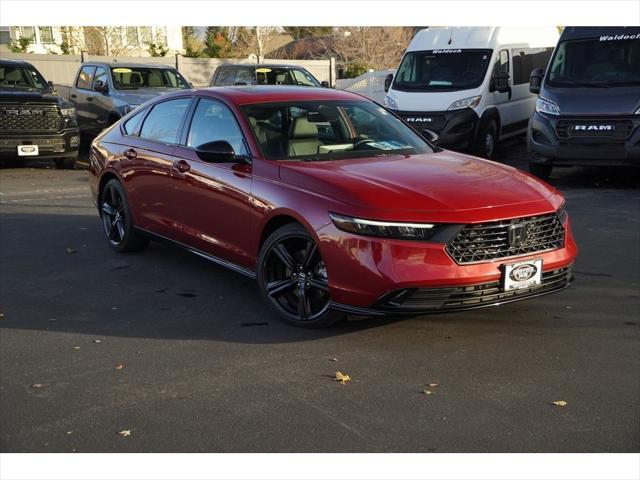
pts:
pixel 527 59
pixel 131 126
pixel 164 121
pixel 225 77
pixel 85 77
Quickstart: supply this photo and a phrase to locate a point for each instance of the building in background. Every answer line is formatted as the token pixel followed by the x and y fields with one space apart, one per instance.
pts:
pixel 121 41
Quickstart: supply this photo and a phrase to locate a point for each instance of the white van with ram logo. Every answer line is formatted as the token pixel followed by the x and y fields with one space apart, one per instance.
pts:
pixel 470 85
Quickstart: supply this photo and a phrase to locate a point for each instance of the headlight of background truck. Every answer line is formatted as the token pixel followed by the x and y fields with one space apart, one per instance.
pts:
pixel 545 106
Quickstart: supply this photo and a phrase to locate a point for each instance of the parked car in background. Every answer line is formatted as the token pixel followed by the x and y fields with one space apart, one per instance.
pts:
pixel 35 122
pixel 263 74
pixel 588 111
pixel 333 204
pixel 104 92
pixel 470 84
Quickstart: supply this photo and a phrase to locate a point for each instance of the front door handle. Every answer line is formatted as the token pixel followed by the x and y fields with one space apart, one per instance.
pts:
pixel 73 95
pixel 181 166
pixel 130 154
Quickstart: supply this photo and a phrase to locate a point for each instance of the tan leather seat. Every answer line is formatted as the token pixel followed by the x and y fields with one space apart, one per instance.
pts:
pixel 303 138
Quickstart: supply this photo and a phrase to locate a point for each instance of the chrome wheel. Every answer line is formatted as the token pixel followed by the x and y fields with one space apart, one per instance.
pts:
pixel 295 278
pixel 113 215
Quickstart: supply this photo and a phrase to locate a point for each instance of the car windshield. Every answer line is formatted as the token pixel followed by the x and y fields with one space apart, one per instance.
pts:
pixel 330 130
pixel 599 62
pixel 22 78
pixel 438 70
pixel 128 78
pixel 285 76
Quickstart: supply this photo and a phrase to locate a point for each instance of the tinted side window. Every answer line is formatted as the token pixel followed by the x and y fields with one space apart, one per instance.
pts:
pixel 243 77
pixel 213 121
pixel 163 122
pixel 527 59
pixel 99 76
pixel 85 77
pixel 225 76
pixel 131 125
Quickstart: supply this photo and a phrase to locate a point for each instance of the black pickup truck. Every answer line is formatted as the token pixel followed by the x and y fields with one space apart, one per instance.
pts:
pixel 35 122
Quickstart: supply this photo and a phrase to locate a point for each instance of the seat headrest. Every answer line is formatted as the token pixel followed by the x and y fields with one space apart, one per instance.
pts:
pixel 303 128
pixel 136 79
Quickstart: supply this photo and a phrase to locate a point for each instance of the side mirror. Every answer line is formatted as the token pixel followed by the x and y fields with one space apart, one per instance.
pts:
pixel 387 82
pixel 219 151
pixel 501 82
pixel 50 83
pixel 432 137
pixel 535 81
pixel 325 84
pixel 101 87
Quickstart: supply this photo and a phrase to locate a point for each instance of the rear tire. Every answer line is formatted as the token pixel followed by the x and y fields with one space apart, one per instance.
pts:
pixel 116 219
pixel 292 278
pixel 66 163
pixel 540 170
pixel 487 140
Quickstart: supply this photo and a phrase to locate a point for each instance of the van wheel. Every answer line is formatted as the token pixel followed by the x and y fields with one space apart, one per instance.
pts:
pixel 540 170
pixel 66 163
pixel 487 140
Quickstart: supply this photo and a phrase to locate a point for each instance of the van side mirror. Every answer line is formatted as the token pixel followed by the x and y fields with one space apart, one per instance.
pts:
pixel 387 82
pixel 501 82
pixel 219 151
pixel 535 81
pixel 101 87
pixel 432 137
pixel 325 84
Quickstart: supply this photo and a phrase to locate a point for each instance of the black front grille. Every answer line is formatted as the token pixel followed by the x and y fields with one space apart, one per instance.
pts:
pixel 29 118
pixel 421 120
pixel 472 296
pixel 594 128
pixel 488 241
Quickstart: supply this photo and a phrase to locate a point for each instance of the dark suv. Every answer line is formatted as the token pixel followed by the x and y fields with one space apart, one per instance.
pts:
pixel 264 74
pixel 35 122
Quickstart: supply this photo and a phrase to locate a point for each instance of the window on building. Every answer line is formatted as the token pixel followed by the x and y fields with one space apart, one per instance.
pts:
pixel 132 36
pixel 24 32
pixel 46 35
pixel 145 35
pixel 115 37
pixel 161 36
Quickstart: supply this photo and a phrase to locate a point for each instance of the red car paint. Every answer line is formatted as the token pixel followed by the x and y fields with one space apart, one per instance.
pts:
pixel 226 209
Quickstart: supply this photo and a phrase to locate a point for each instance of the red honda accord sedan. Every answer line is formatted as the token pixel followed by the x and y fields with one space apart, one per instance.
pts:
pixel 330 202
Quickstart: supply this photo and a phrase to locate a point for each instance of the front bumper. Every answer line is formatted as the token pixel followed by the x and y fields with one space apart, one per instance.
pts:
pixel 546 147
pixel 456 128
pixel 54 145
pixel 376 276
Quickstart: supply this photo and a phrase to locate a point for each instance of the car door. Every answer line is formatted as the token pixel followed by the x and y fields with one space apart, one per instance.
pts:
pixel 80 94
pixel 501 100
pixel 213 200
pixel 146 161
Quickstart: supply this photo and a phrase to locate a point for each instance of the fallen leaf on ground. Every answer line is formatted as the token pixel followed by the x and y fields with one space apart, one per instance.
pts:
pixel 1 315
pixel 333 359
pixel 70 250
pixel 432 385
pixel 37 385
pixel 342 378
pixel 97 341
pixel 119 366
pixel 559 403
pixel 426 392
pixel 124 433
pixel 76 348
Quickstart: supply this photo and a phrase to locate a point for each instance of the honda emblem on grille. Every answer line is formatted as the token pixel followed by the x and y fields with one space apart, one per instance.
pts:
pixel 517 234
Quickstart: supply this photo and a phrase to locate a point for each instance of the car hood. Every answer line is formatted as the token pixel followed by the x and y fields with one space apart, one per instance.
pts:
pixel 141 95
pixel 442 186
pixel 594 101
pixel 25 96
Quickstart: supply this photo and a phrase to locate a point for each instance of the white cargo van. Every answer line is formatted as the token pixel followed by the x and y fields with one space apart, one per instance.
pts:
pixel 470 85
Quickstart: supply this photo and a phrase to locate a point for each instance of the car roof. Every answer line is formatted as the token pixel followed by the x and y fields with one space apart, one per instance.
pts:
pixel 246 95
pixel 574 33
pixel 127 65
pixel 15 62
pixel 260 65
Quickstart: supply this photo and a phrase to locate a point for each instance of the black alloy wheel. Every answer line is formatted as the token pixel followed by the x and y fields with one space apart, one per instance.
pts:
pixel 293 278
pixel 116 219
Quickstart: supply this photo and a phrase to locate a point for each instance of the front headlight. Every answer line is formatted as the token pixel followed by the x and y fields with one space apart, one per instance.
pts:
pixel 638 111
pixel 130 108
pixel 68 112
pixel 375 228
pixel 545 106
pixel 470 102
pixel 390 103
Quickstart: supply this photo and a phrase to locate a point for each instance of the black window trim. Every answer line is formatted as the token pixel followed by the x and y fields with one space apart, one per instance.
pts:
pixel 150 108
pixel 492 88
pixel 90 65
pixel 129 116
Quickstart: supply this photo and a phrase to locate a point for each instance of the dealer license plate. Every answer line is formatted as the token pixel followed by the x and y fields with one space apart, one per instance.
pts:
pixel 522 274
pixel 27 150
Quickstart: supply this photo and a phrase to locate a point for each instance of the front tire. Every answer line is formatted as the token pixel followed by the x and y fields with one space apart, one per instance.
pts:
pixel 292 278
pixel 116 219
pixel 487 140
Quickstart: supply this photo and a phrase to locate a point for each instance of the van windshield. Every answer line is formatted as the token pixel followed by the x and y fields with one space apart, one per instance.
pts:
pixel 596 62
pixel 442 70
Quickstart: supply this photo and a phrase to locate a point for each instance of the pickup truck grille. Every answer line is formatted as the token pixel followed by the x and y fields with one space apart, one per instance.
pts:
pixel 489 241
pixel 29 118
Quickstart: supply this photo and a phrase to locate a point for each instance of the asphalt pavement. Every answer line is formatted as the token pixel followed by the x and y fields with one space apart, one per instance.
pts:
pixel 184 356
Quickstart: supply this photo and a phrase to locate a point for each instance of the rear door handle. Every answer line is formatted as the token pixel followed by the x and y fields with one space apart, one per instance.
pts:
pixel 181 166
pixel 73 95
pixel 130 154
